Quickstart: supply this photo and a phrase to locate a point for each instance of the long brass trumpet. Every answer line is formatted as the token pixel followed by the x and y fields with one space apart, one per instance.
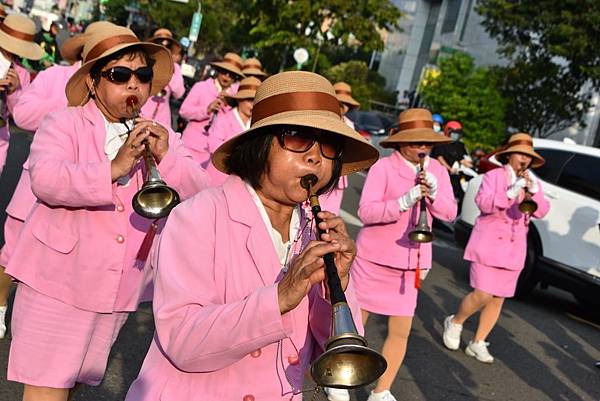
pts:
pixel 422 232
pixel 527 205
pixel 155 199
pixel 347 361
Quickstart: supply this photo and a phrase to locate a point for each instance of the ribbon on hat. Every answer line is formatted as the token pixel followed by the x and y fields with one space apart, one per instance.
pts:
pixel 247 87
pixel 526 142
pixel 247 66
pixel 234 62
pixel 16 34
pixel 295 101
pixel 108 44
pixel 415 124
pixel 343 92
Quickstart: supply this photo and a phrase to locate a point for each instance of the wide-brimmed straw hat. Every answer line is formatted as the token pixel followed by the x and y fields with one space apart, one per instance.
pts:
pixel 343 92
pixel 72 47
pixel 247 89
pixel 108 40
pixel 162 34
pixel 253 67
pixel 231 62
pixel 16 36
pixel 305 99
pixel 414 125
pixel 521 143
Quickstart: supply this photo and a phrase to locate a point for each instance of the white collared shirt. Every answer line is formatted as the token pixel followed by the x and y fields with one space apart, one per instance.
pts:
pixel 415 167
pixel 116 135
pixel 281 248
pixel 244 125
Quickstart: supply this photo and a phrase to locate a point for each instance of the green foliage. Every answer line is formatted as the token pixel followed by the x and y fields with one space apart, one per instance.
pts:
pixel 470 95
pixel 366 84
pixel 554 52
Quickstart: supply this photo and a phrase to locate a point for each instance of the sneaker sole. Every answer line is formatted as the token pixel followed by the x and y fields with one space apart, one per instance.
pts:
pixel 474 355
pixel 450 346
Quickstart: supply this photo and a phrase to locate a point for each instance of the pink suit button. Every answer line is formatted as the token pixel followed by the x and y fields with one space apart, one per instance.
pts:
pixel 120 208
pixel 248 397
pixel 256 353
pixel 293 359
pixel 120 239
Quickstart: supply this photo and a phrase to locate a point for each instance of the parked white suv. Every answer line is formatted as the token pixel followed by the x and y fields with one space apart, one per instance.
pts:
pixel 563 248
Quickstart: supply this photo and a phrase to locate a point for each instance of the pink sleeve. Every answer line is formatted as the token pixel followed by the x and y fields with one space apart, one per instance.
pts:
pixel 180 171
pixel 216 132
pixel 372 208
pixel 24 79
pixel 444 207
pixel 34 103
pixel 492 192
pixel 195 105
pixel 56 178
pixel 197 330
pixel 176 84
pixel 542 202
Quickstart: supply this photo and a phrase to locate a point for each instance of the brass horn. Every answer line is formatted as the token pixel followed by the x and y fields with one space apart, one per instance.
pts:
pixel 155 199
pixel 347 361
pixel 527 205
pixel 422 232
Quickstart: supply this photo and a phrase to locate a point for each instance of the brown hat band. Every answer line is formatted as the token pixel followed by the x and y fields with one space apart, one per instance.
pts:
pixel 232 61
pixel 343 92
pixel 297 101
pixel 415 124
pixel 108 44
pixel 526 142
pixel 247 66
pixel 247 87
pixel 16 34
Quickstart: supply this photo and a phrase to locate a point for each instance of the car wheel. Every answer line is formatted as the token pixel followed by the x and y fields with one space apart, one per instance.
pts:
pixel 528 277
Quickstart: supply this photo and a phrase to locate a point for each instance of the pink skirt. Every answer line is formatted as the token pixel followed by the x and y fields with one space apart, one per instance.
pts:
pixel 12 229
pixel 384 290
pixel 57 345
pixel 494 280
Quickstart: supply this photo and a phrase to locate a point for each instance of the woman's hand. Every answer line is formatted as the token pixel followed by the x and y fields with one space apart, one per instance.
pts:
pixel 128 154
pixel 158 138
pixel 11 82
pixel 216 105
pixel 424 183
pixel 309 267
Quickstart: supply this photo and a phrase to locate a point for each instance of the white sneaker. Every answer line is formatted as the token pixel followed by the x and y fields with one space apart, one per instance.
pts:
pixel 385 395
pixel 337 394
pixel 452 333
pixel 2 321
pixel 479 350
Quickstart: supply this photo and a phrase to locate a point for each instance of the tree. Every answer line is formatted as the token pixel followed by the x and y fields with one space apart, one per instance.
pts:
pixel 554 54
pixel 460 91
pixel 366 84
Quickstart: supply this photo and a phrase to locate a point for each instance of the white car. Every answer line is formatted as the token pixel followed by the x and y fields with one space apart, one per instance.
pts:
pixel 563 248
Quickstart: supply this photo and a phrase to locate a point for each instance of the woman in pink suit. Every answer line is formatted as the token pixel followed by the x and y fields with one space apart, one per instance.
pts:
pixel 498 243
pixel 332 201
pixel 205 100
pixel 240 307
pixel 231 123
pixel 158 108
pixel 79 258
pixel 46 94
pixel 389 266
pixel 16 40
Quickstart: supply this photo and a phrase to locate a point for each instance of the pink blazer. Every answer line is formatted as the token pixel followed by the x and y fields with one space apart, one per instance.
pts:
pixel 384 237
pixel 158 108
pixel 499 237
pixel 219 332
pixel 80 235
pixel 46 94
pixel 193 109
pixel 225 126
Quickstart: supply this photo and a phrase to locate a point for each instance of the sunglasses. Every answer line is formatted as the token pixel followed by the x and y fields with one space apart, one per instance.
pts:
pixel 230 74
pixel 122 75
pixel 301 140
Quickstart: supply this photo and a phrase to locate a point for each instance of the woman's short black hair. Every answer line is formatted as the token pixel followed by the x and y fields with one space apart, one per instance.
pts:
pixel 129 52
pixel 248 159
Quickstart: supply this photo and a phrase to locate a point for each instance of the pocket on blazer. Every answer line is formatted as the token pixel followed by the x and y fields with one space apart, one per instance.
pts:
pixel 54 237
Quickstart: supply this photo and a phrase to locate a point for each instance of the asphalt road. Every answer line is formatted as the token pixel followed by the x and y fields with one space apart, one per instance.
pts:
pixel 545 346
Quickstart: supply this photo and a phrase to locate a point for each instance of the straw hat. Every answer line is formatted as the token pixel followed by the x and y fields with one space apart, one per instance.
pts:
pixel 16 36
pixel 2 13
pixel 521 143
pixel 231 62
pixel 108 40
pixel 343 92
pixel 72 47
pixel 253 67
pixel 414 125
pixel 162 34
pixel 305 99
pixel 247 89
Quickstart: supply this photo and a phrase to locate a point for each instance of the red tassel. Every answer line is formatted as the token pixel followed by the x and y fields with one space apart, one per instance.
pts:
pixel 142 254
pixel 418 270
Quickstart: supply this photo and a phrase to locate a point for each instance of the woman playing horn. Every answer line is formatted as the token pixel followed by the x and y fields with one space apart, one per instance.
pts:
pixel 79 258
pixel 386 270
pixel 498 243
pixel 240 307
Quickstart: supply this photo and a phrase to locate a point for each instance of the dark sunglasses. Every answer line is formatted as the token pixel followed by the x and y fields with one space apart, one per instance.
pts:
pixel 230 74
pixel 300 140
pixel 122 75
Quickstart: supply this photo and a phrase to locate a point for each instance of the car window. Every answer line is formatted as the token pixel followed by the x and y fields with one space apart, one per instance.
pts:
pixel 555 160
pixel 369 120
pixel 580 174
